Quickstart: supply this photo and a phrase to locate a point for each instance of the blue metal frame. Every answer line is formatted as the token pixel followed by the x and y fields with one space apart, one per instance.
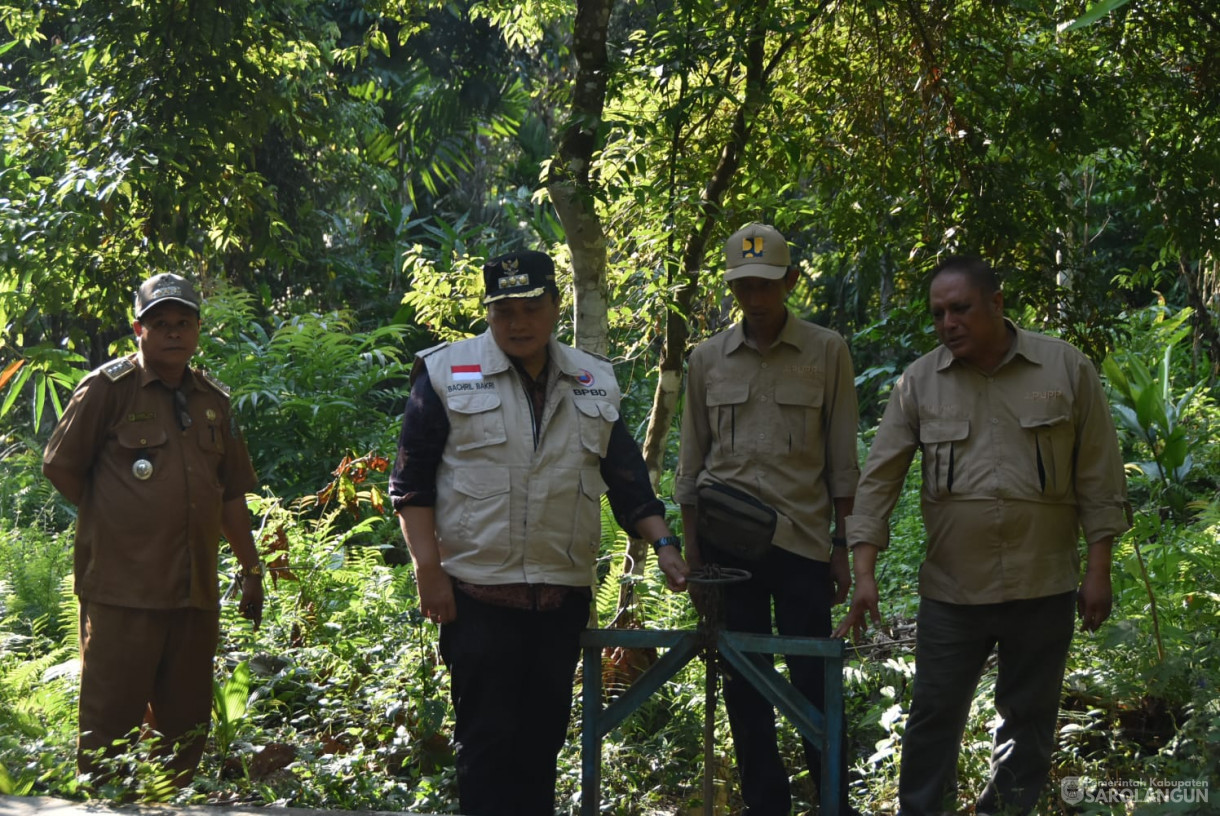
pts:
pixel 823 730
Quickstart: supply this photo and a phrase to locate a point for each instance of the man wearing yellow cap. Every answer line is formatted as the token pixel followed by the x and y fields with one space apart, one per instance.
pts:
pixel 770 421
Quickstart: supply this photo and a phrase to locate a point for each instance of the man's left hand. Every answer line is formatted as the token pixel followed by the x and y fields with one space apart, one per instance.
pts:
pixel 671 562
pixel 840 574
pixel 251 607
pixel 1095 598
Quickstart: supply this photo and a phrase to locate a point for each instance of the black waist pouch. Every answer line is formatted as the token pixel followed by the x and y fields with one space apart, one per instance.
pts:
pixel 734 522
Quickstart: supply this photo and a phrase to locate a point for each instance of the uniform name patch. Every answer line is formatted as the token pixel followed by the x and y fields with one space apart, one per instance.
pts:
pixel 475 386
pixel 589 392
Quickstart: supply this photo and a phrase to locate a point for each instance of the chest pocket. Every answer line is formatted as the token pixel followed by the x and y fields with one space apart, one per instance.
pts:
pixel 725 411
pixel 942 442
pixel 142 441
pixel 1053 440
pixel 596 422
pixel 800 405
pixel 476 420
pixel 211 434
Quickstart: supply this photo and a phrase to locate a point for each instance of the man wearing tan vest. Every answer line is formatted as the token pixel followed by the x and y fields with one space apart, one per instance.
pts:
pixel 508 441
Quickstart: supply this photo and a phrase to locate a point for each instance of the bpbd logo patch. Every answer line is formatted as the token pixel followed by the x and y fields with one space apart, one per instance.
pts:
pixel 585 378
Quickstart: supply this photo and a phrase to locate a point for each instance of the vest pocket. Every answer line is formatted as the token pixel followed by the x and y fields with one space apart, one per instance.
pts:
pixel 482 495
pixel 475 420
pixel 1053 441
pixel 586 521
pixel 596 422
pixel 939 439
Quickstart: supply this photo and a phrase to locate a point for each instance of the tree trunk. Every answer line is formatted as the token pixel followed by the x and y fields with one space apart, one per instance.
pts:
pixel 1200 290
pixel 568 182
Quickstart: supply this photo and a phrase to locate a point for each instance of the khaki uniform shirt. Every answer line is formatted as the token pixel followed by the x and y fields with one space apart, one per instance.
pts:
pixel 149 543
pixel 780 425
pixel 512 507
pixel 1015 464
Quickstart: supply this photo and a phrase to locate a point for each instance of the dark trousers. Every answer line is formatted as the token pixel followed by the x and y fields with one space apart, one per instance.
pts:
pixel 511 674
pixel 952 643
pixel 801 591
pixel 136 660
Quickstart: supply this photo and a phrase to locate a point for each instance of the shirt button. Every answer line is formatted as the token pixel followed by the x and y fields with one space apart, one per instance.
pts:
pixel 762 399
pixel 143 441
pixel 764 365
pixel 995 421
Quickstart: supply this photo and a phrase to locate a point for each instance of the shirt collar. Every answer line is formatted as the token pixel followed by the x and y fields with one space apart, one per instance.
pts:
pixel 789 333
pixel 1021 345
pixel 148 376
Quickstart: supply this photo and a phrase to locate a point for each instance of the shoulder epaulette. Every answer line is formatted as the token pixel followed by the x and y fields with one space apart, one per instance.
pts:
pixel 116 370
pixel 418 365
pixel 212 381
pixel 432 349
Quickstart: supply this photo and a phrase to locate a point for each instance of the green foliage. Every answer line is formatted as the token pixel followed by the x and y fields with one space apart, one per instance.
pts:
pixel 1147 407
pixel 308 392
pixel 38 686
pixel 230 705
pixel 50 373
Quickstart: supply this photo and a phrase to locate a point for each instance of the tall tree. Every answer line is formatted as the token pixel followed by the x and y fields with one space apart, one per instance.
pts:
pixel 567 179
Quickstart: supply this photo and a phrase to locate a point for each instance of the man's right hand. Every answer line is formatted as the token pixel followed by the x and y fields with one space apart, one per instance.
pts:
pixel 435 594
pixel 863 601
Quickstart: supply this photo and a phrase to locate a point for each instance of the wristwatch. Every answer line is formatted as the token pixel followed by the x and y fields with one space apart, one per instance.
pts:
pixel 255 571
pixel 667 541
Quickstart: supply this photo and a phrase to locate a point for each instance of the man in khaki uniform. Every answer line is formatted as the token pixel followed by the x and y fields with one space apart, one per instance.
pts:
pixel 147 450
pixel 1019 455
pixel 508 442
pixel 771 410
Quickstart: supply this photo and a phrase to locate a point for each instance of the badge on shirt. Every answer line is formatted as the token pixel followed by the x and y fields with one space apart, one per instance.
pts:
pixel 466 373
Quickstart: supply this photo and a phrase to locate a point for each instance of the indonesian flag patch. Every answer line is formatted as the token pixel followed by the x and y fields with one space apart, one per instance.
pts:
pixel 466 373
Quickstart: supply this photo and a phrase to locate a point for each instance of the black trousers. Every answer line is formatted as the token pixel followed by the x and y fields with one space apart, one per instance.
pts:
pixel 801 592
pixel 952 644
pixel 511 674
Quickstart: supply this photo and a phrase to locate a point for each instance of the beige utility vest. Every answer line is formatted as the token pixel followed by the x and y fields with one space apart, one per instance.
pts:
pixel 511 508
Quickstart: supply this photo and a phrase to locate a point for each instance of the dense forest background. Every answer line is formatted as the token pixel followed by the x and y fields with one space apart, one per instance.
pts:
pixel 333 173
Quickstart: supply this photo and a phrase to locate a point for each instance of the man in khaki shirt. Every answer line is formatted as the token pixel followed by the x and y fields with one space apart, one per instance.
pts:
pixel 1019 456
pixel 771 410
pixel 149 454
